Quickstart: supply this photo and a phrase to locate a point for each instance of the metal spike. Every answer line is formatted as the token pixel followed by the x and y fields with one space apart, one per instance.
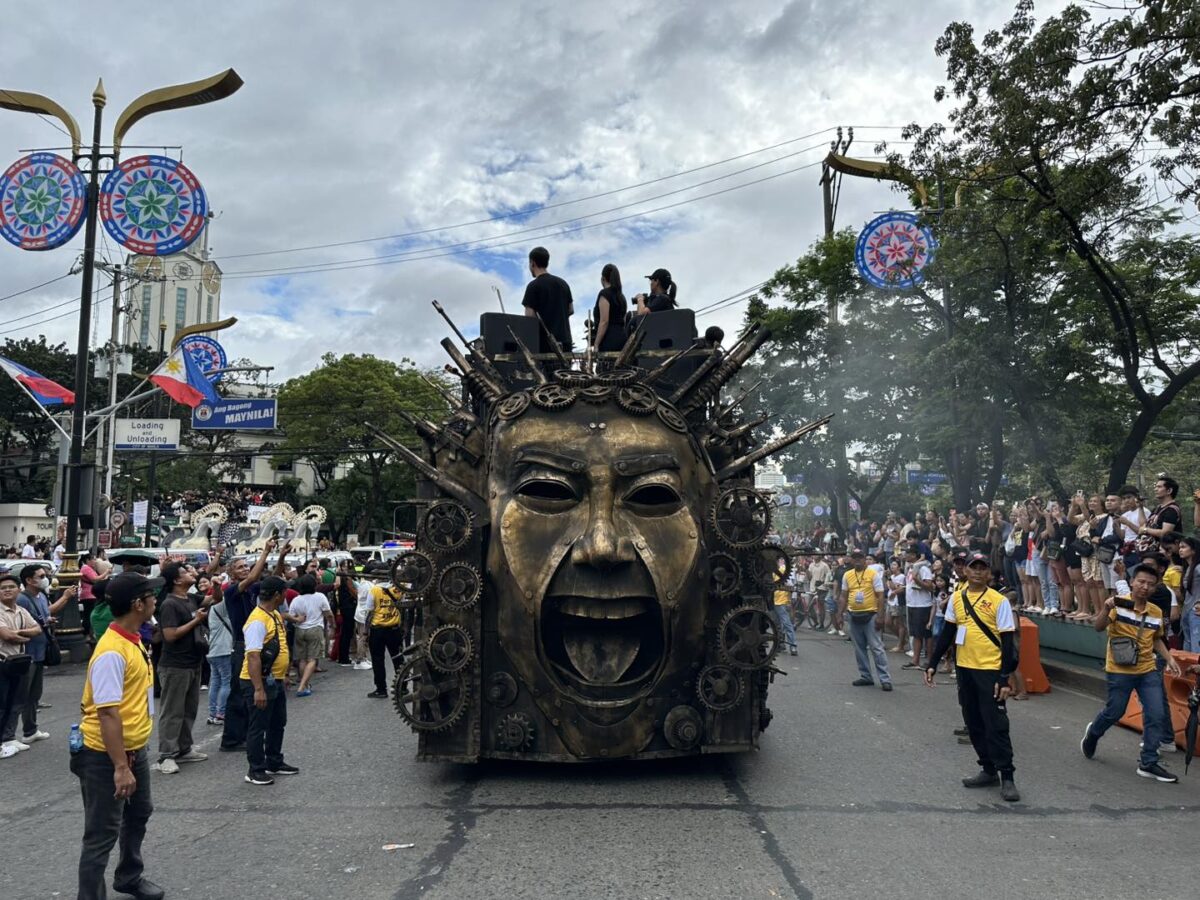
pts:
pixel 555 345
pixel 456 406
pixel 529 360
pixel 707 366
pixel 630 348
pixel 481 382
pixel 770 448
pixel 745 428
pixel 730 366
pixel 661 369
pixel 451 486
pixel 733 404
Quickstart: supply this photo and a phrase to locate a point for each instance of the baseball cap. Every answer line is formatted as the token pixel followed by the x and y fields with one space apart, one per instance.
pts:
pixel 857 554
pixel 978 558
pixel 959 556
pixel 662 276
pixel 128 586
pixel 271 585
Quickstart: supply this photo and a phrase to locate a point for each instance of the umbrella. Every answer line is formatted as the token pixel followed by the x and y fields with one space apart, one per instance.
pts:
pixel 1189 730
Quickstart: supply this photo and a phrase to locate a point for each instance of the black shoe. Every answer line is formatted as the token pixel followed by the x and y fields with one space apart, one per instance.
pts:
pixel 981 779
pixel 862 682
pixel 887 686
pixel 143 889
pixel 41 705
pixel 233 748
pixel 378 695
pixel 1089 742
pixel 961 732
pixel 1158 773
pixel 259 777
pixel 911 665
pixel 965 741
pixel 283 769
pixel 1008 790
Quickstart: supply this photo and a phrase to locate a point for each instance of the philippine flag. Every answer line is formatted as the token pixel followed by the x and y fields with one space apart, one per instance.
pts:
pixel 181 379
pixel 45 391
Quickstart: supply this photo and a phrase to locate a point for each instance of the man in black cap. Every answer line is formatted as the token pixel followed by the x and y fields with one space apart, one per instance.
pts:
pixel 113 766
pixel 263 678
pixel 980 623
pixel 549 297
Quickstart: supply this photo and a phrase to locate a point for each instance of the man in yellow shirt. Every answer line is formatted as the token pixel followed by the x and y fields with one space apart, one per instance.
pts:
pixel 982 626
pixel 263 678
pixel 1136 632
pixel 862 597
pixel 113 765
pixel 385 635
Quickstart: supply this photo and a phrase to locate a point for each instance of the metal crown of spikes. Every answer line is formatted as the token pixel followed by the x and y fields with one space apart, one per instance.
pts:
pixel 589 538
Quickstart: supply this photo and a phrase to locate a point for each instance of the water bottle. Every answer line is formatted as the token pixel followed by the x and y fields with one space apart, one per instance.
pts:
pixel 75 741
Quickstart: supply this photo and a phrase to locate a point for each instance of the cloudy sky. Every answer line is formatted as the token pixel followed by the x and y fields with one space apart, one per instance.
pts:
pixel 398 120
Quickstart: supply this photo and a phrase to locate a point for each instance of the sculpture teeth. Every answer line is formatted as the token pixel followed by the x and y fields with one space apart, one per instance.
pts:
pixel 587 608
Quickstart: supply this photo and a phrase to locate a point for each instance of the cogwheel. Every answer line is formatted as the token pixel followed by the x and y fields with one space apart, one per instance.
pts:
pixel 770 565
pixel 429 700
pixel 719 687
pixel 515 732
pixel 513 405
pixel 552 396
pixel 747 638
pixel 502 689
pixel 595 393
pixel 573 378
pixel 446 526
pixel 725 575
pixel 637 399
pixel 449 648
pixel 741 517
pixel 672 419
pixel 683 728
pixel 413 568
pixel 459 585
pixel 617 377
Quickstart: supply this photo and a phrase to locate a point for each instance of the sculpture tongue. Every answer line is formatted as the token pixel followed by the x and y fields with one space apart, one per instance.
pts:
pixel 601 651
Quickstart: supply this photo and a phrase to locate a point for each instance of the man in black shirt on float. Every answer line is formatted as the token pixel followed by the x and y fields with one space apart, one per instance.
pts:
pixel 549 296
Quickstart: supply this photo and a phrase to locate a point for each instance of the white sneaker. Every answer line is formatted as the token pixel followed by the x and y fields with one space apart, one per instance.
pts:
pixel 204 687
pixel 192 755
pixel 841 633
pixel 8 749
pixel 168 766
pixel 35 737
pixel 20 745
pixel 363 666
pixel 832 630
pixel 1168 747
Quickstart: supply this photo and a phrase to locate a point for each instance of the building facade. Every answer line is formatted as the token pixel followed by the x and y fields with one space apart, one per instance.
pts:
pixel 169 293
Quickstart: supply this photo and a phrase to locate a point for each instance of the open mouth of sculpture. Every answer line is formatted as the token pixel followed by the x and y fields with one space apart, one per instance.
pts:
pixel 603 650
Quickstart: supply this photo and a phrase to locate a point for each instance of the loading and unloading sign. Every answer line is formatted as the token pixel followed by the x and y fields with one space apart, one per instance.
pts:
pixel 146 434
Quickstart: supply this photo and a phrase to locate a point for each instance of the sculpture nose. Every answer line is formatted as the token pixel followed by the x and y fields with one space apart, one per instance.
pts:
pixel 602 546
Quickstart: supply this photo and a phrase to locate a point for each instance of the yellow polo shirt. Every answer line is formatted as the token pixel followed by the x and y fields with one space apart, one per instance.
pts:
pixel 119 674
pixel 386 614
pixel 861 592
pixel 1143 627
pixel 260 627
pixel 974 650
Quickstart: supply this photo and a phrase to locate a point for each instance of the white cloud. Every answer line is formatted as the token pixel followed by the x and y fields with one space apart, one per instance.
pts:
pixel 379 118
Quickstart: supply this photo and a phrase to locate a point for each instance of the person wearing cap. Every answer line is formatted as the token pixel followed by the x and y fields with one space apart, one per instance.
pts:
pixel 662 294
pixel 984 637
pixel 113 766
pixel 863 598
pixel 549 298
pixel 263 679
pixel 1135 620
pixel 385 634
pixel 17 629
pixel 241 597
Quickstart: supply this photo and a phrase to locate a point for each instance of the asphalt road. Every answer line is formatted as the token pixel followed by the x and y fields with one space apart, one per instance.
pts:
pixel 855 792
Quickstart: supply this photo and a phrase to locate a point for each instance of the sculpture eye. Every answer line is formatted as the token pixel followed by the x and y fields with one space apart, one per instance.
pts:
pixel 653 499
pixel 546 495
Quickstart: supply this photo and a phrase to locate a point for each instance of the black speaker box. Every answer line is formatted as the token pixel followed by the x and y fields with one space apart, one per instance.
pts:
pixel 668 332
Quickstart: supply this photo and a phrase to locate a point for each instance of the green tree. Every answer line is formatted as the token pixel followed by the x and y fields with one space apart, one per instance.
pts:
pixel 1067 124
pixel 324 415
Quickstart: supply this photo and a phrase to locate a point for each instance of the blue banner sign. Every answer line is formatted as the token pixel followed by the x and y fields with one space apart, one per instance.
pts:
pixel 258 414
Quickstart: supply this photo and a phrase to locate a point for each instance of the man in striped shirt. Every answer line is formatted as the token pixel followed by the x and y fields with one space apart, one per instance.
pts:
pixel 1136 632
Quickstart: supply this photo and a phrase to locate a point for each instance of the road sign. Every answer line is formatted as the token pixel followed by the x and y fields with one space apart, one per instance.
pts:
pixel 104 539
pixel 117 520
pixel 146 434
pixel 141 511
pixel 258 414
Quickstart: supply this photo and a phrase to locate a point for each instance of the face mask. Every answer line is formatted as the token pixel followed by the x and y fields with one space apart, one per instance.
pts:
pixel 44 584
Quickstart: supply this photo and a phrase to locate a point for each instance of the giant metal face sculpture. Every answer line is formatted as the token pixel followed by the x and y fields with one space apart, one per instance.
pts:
pixel 592 576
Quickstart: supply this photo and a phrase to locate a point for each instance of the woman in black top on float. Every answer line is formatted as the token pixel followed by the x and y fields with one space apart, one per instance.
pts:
pixel 662 294
pixel 608 316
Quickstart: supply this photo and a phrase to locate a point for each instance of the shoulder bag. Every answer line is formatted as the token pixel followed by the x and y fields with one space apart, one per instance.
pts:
pixel 1124 650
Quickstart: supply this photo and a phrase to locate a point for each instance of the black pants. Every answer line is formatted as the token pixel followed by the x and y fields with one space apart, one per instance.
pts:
pixel 106 819
pixel 264 735
pixel 986 719
pixel 236 714
pixel 12 701
pixel 379 640
pixel 346 632
pixel 33 694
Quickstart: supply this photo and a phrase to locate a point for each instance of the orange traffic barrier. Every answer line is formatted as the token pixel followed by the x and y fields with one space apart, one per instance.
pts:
pixel 1030 661
pixel 1177 698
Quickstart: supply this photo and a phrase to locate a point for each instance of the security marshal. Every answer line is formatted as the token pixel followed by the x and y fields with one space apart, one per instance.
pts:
pixel 983 633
